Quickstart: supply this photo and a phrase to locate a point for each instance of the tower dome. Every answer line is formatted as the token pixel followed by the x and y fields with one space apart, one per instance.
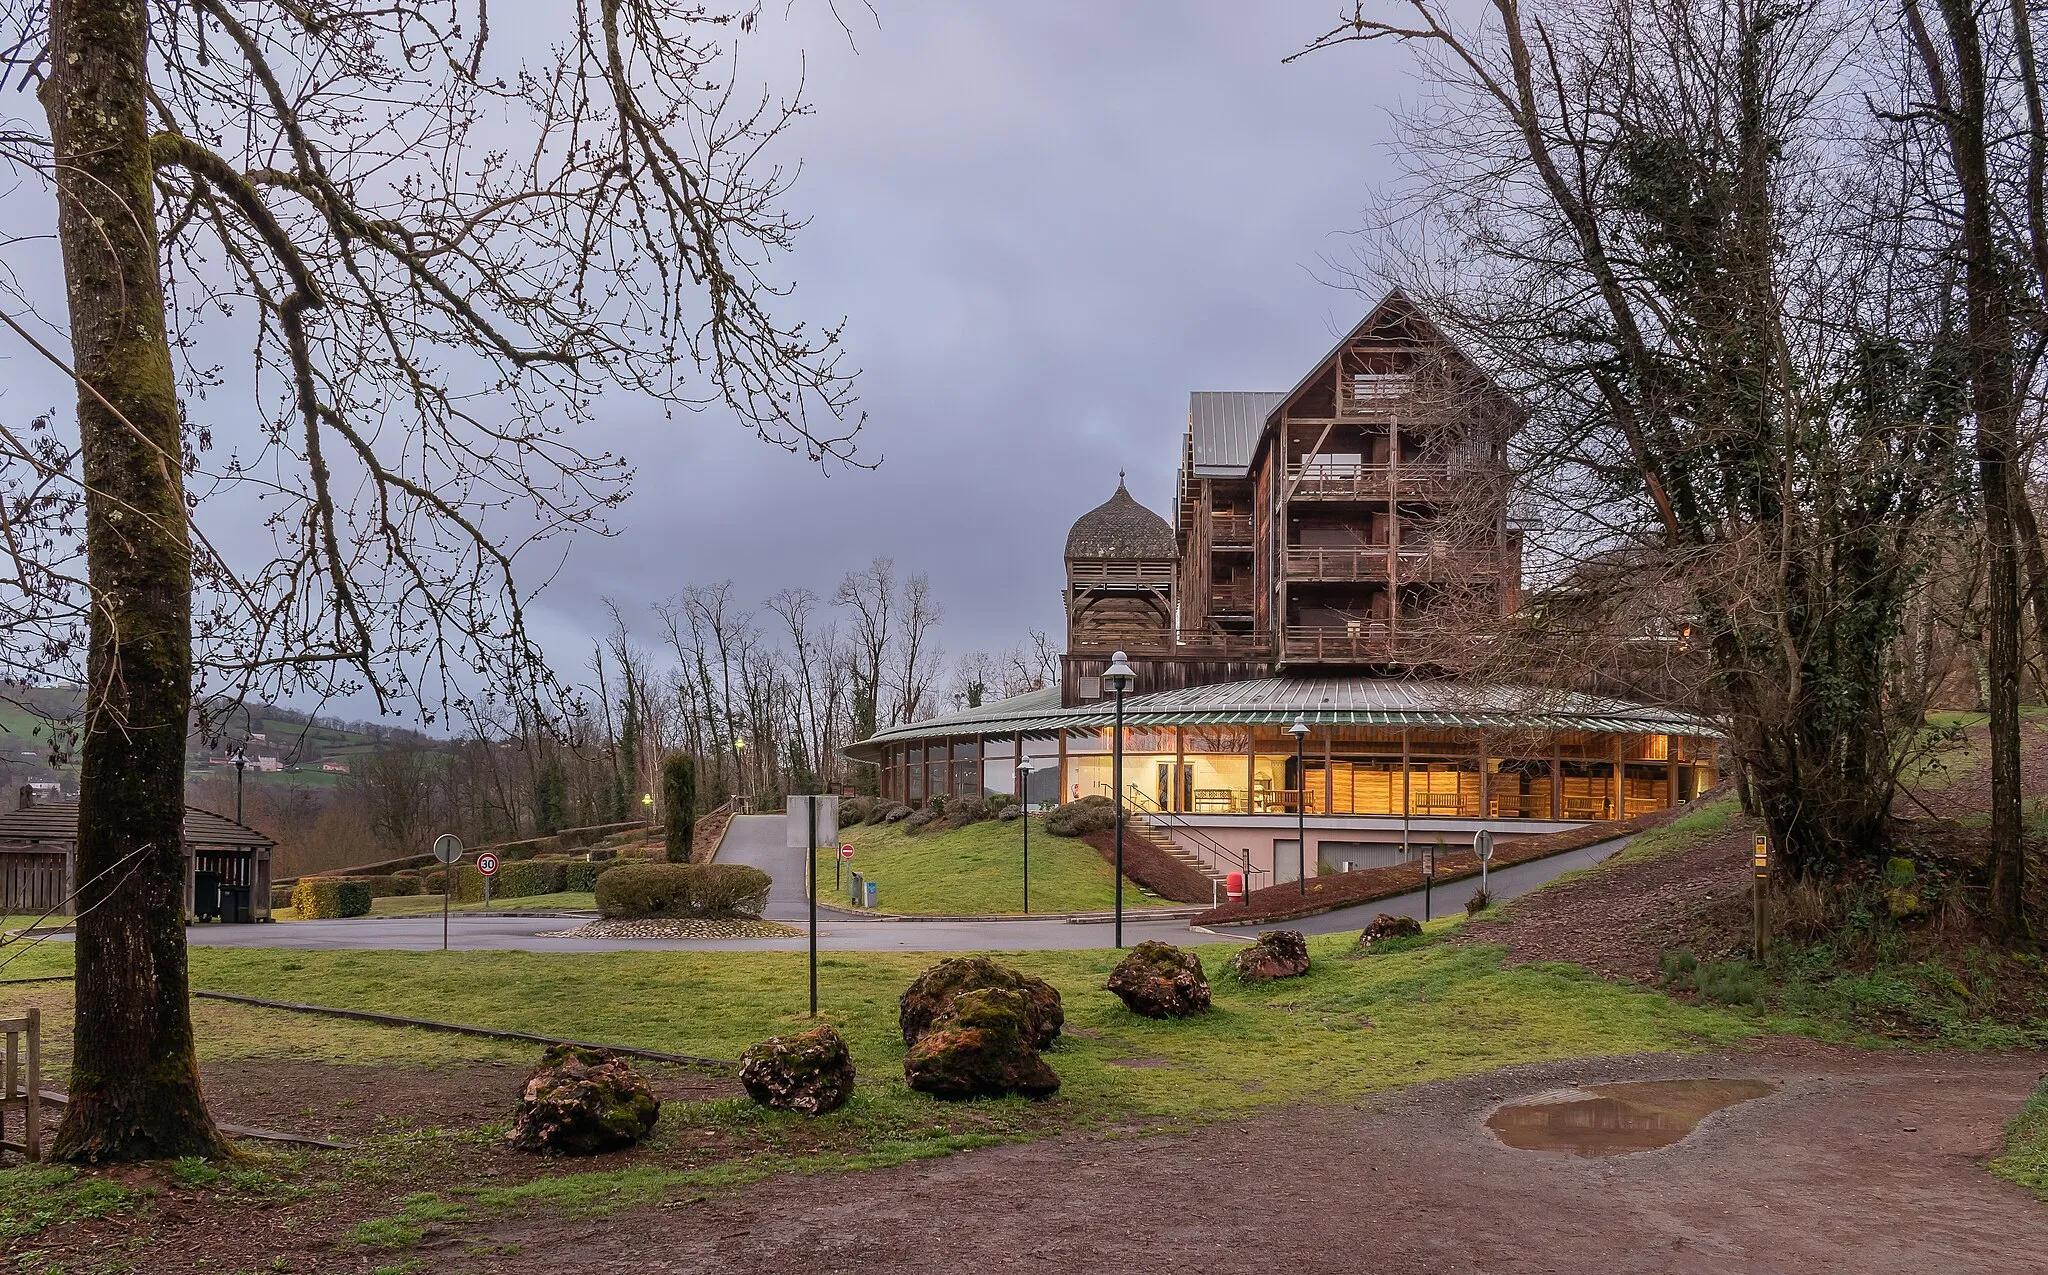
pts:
pixel 1120 529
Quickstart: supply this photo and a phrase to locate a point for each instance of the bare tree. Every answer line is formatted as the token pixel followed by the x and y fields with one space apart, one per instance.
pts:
pixel 869 594
pixel 918 654
pixel 1660 225
pixel 443 258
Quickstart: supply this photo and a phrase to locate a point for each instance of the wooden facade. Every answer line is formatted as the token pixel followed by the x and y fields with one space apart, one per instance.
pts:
pixel 1357 521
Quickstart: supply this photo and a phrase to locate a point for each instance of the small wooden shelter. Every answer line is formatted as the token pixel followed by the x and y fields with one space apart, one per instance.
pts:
pixel 227 864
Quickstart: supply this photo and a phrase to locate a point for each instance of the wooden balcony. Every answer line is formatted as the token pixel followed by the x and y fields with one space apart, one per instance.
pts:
pixel 1366 642
pixel 1365 563
pixel 1349 482
pixel 1230 531
pixel 1191 643
pixel 1231 599
pixel 1134 576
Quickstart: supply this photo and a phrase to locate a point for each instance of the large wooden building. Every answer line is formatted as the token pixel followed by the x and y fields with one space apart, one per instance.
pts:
pixel 1330 545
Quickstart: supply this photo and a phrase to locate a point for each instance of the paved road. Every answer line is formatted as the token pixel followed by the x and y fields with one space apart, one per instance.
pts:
pixel 474 932
pixel 757 841
pixel 470 931
pixel 1449 899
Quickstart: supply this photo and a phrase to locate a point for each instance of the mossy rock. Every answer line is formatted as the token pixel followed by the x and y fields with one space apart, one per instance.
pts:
pixel 1387 926
pixel 1159 980
pixel 811 1072
pixel 981 1049
pixel 931 994
pixel 1276 954
pixel 583 1101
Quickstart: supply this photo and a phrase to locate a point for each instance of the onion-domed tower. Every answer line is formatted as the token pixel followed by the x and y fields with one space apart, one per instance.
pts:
pixel 1121 563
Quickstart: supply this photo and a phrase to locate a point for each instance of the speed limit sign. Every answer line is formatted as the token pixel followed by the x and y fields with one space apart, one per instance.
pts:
pixel 487 863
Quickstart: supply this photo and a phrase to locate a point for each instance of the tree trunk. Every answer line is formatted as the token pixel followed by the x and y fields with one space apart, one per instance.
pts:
pixel 1994 402
pixel 134 1078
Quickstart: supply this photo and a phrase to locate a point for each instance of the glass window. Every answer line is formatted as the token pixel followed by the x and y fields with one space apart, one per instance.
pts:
pixel 1217 770
pixel 998 775
pixel 916 773
pixel 1443 773
pixel 1044 783
pixel 1087 741
pixel 998 746
pixel 968 749
pixel 1646 788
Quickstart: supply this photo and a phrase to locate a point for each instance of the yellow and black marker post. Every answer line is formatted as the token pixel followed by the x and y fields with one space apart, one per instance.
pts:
pixel 1760 893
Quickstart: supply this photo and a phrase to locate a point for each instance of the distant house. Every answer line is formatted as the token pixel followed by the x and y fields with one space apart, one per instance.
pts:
pixel 267 765
pixel 334 767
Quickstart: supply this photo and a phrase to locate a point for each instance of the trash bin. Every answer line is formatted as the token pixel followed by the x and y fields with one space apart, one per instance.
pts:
pixel 853 888
pixel 234 904
pixel 870 899
pixel 206 895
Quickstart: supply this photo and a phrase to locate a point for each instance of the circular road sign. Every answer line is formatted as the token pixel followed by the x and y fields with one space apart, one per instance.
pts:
pixel 447 847
pixel 487 863
pixel 1482 845
pixel 846 852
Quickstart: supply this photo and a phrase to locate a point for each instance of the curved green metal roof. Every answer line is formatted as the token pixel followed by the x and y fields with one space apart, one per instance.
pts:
pixel 1320 701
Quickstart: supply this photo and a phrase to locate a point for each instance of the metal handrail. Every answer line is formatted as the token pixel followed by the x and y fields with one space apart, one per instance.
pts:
pixel 1219 856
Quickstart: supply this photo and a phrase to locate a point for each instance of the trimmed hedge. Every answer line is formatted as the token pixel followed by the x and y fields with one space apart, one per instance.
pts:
pixel 682 889
pixel 521 879
pixel 324 898
pixel 281 897
pixel 581 878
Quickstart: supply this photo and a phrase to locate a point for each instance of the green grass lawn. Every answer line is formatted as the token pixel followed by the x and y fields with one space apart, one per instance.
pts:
pixel 978 871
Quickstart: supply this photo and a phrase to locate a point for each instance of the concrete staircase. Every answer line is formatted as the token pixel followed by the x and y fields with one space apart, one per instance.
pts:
pixel 1163 838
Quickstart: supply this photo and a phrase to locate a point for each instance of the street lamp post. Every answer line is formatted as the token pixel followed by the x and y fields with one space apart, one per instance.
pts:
pixel 1300 732
pixel 1024 769
pixel 241 760
pixel 1120 679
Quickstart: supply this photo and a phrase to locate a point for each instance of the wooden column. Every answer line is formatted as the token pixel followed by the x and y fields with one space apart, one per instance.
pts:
pixel 1556 778
pixel 1485 783
pixel 1621 776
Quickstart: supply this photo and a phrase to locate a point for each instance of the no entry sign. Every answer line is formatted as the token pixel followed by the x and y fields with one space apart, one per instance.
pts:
pixel 846 852
pixel 487 863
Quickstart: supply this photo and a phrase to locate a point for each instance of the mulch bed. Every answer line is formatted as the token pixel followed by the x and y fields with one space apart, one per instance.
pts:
pixel 1152 867
pixel 1287 901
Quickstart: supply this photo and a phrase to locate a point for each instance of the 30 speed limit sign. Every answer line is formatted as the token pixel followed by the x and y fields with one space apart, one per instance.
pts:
pixel 487 863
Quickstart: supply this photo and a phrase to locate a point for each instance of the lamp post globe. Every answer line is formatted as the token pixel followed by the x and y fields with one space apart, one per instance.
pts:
pixel 241 760
pixel 1300 732
pixel 1119 678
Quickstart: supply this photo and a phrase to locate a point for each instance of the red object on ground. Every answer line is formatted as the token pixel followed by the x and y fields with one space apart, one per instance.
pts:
pixel 1233 885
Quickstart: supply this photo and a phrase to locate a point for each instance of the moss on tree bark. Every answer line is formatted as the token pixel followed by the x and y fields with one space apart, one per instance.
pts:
pixel 134 1079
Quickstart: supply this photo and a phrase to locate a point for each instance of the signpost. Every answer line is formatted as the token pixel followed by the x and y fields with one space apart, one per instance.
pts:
pixel 1482 849
pixel 1759 890
pixel 845 853
pixel 1428 880
pixel 487 863
pixel 806 813
pixel 448 850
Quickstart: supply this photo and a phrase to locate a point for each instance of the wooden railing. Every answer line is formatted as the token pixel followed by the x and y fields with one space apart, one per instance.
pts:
pixel 1373 562
pixel 1087 574
pixel 1365 482
pixel 1230 597
pixel 1166 642
pixel 1337 564
pixel 1230 531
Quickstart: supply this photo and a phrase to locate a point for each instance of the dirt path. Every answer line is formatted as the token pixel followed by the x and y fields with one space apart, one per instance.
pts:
pixel 1860 1162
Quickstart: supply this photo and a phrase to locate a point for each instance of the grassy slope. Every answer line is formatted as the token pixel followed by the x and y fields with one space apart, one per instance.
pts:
pixel 978 870
pixel 2026 1146
pixel 1349 1028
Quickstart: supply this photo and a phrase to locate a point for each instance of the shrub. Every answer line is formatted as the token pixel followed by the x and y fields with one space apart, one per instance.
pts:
pixel 965 811
pixel 1010 812
pixel 323 898
pixel 855 810
pixel 581 878
pixel 682 889
pixel 883 810
pixel 921 820
pixel 281 897
pixel 1477 902
pixel 996 801
pixel 679 804
pixel 728 889
pixel 519 880
pixel 1078 818
pixel 388 887
pixel 936 803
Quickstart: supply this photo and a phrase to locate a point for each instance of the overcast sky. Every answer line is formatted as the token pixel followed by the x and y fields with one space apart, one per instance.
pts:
pixel 1045 224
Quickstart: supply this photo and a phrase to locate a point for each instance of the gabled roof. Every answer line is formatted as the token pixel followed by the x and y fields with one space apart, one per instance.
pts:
pixel 1224 428
pixel 56 823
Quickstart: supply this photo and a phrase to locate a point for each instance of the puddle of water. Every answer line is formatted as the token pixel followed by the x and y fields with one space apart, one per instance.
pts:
pixel 1616 1119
